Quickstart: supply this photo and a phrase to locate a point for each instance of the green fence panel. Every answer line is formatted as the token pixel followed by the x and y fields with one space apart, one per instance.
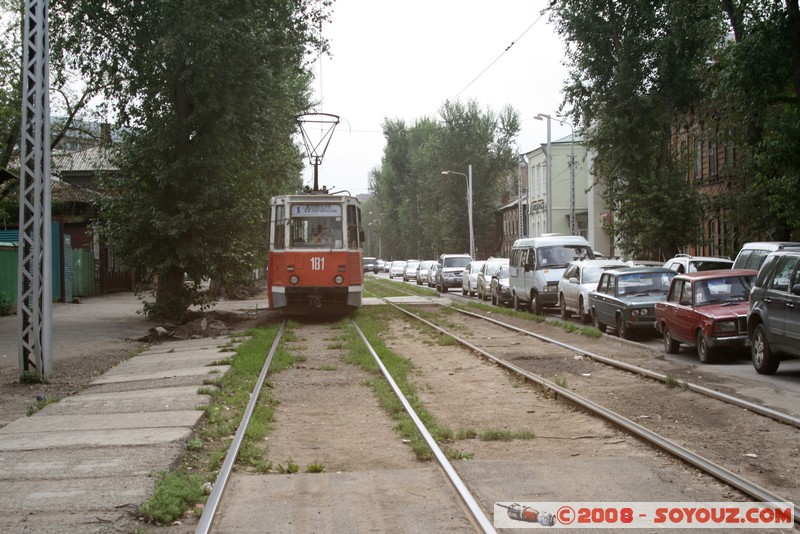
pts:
pixel 82 273
pixel 9 260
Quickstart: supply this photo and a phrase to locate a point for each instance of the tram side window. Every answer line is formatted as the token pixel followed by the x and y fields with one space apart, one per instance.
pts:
pixel 280 228
pixel 353 223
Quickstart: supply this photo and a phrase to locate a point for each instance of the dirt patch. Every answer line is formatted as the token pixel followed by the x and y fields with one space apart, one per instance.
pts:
pixel 327 414
pixel 17 399
pixel 750 445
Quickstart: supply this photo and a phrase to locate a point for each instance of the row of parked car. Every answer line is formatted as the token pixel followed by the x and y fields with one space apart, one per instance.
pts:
pixel 711 303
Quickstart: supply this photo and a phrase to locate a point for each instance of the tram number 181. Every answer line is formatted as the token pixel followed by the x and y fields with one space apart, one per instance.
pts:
pixel 318 263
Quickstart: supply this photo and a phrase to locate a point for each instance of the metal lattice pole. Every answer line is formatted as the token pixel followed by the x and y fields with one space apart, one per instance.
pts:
pixel 35 286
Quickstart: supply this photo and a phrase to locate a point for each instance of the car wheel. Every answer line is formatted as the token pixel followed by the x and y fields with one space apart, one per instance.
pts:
pixel 596 321
pixel 584 315
pixel 764 361
pixel 565 313
pixel 704 352
pixel 671 346
pixel 536 304
pixel 622 329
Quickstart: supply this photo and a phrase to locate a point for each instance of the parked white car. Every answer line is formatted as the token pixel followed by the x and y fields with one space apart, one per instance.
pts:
pixel 396 268
pixel 410 270
pixel 423 270
pixel 488 270
pixel 469 278
pixel 579 279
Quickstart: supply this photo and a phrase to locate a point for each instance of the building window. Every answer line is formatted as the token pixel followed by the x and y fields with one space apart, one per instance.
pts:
pixel 698 159
pixel 713 237
pixel 684 156
pixel 712 160
pixel 729 154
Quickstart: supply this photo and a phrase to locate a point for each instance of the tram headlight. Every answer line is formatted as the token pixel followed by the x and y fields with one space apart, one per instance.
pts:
pixel 294 279
pixel 338 279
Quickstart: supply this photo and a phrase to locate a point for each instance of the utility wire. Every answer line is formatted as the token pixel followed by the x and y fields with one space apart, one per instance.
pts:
pixel 503 52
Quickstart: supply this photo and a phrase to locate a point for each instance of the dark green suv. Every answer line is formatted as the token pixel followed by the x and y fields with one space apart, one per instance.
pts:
pixel 773 322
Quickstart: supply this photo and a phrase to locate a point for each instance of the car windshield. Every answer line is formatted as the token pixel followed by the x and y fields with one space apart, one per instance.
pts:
pixel 709 265
pixel 644 283
pixel 559 256
pixel 459 261
pixel 503 272
pixel 725 291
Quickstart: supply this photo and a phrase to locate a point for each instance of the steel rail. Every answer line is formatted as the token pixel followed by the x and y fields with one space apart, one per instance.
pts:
pixel 775 415
pixel 466 497
pixel 210 510
pixel 741 403
pixel 717 471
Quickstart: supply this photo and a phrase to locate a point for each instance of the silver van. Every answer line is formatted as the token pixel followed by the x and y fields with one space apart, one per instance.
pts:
pixel 752 254
pixel 536 266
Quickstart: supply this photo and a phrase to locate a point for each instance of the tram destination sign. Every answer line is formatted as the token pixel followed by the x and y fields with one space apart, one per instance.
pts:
pixel 316 210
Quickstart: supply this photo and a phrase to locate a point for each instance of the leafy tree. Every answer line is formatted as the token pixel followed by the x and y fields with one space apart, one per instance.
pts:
pixel 754 91
pixel 424 213
pixel 635 66
pixel 638 65
pixel 208 92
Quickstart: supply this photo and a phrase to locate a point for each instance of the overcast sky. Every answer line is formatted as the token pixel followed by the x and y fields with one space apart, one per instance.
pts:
pixel 402 59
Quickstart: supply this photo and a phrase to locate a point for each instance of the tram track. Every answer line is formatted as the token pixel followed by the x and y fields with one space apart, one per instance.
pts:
pixel 726 475
pixel 668 379
pixel 584 441
pixel 467 502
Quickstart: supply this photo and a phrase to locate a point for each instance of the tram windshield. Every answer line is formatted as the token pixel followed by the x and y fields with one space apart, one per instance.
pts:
pixel 316 226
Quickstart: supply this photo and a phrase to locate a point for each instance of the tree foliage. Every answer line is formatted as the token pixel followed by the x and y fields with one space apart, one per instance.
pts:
pixel 754 90
pixel 636 66
pixel 208 93
pixel 424 213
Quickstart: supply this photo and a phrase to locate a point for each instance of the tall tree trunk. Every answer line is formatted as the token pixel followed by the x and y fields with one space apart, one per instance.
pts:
pixel 171 297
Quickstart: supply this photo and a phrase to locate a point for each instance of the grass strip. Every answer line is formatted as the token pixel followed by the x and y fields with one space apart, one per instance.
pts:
pixel 180 490
pixel 373 325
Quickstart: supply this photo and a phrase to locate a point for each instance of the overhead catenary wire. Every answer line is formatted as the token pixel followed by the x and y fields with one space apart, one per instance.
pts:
pixel 513 42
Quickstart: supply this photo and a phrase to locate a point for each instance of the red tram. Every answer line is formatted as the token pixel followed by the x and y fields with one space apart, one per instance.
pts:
pixel 315 259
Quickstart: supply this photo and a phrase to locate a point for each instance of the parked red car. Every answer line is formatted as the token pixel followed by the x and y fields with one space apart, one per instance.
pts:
pixel 707 309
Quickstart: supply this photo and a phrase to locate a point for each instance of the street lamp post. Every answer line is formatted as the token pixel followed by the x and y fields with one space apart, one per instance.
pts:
pixel 572 220
pixel 522 161
pixel 468 178
pixel 549 176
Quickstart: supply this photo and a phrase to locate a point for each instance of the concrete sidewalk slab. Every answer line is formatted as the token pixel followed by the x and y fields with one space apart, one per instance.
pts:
pixel 77 496
pixel 163 361
pixel 87 422
pixel 86 462
pixel 202 371
pixel 96 438
pixel 59 464
pixel 139 400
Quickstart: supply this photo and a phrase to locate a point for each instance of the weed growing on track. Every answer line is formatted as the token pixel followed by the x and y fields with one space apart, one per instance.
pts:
pixel 373 326
pixel 505 435
pixel 179 490
pixel 572 328
pixel 381 287
pixel 315 468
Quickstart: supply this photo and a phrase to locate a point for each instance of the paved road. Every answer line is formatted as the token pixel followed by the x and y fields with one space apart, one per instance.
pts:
pixel 78 329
